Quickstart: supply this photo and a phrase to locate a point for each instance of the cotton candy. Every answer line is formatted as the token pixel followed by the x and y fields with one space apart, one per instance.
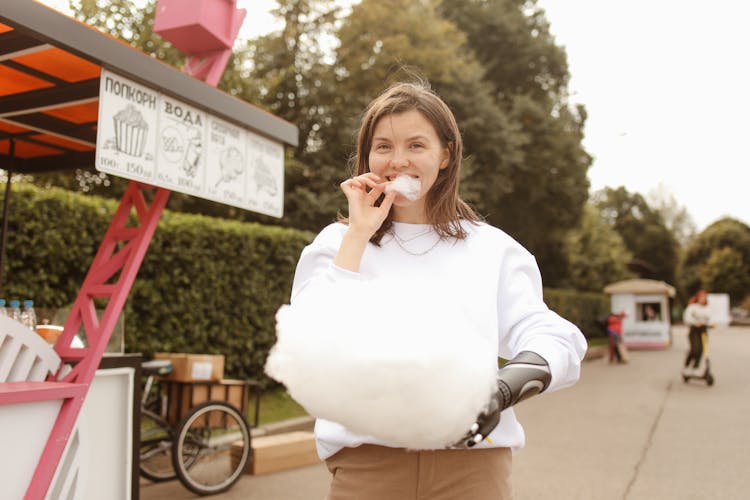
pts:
pixel 408 186
pixel 412 371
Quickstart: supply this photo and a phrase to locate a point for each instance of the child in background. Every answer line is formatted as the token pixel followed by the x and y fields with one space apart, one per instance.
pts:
pixel 614 332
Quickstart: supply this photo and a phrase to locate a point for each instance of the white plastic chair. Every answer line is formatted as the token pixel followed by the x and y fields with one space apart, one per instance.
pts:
pixel 24 355
pixel 24 427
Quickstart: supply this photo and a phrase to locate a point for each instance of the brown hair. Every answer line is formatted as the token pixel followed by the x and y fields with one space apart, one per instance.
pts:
pixel 444 206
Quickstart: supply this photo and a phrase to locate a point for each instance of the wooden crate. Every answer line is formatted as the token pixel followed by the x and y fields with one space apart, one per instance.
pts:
pixel 182 396
pixel 280 452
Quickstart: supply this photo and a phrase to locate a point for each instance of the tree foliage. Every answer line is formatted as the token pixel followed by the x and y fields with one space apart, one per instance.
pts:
pixel 718 259
pixel 596 252
pixel 652 245
pixel 675 216
pixel 538 183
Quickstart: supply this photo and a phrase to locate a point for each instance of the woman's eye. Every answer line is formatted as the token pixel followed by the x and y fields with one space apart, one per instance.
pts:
pixel 417 145
pixel 382 147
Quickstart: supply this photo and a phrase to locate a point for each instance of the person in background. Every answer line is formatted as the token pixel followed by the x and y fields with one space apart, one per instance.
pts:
pixel 614 332
pixel 697 317
pixel 650 313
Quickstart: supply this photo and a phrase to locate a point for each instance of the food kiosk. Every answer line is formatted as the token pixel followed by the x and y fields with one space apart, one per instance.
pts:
pixel 646 303
pixel 72 97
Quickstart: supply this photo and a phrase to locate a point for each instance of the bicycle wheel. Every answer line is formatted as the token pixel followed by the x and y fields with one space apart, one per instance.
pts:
pixel 156 449
pixel 211 448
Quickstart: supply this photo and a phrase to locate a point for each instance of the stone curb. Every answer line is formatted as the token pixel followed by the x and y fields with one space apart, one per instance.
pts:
pixel 305 423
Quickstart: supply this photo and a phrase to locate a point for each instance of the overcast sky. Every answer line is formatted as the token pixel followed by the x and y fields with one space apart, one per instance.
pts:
pixel 665 84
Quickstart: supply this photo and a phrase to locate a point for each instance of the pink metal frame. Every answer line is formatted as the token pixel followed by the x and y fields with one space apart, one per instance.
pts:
pixel 109 279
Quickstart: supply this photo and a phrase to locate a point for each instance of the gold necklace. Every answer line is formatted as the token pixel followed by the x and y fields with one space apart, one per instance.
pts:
pixel 406 240
pixel 400 242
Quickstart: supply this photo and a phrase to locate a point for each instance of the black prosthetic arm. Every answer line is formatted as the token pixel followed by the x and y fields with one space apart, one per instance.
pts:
pixel 520 378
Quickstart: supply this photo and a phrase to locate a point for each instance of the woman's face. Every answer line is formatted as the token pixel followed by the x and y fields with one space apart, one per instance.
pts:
pixel 407 144
pixel 702 298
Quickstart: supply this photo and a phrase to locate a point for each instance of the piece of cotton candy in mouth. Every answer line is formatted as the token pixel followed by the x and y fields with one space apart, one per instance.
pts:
pixel 407 186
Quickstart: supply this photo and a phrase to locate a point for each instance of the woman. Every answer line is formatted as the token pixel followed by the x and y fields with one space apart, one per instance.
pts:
pixel 409 238
pixel 697 317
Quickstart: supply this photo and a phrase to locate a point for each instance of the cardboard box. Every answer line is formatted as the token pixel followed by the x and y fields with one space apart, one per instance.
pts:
pixel 280 452
pixel 193 367
pixel 182 396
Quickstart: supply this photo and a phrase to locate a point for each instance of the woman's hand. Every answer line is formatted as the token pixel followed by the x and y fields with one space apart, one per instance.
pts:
pixel 362 192
pixel 364 217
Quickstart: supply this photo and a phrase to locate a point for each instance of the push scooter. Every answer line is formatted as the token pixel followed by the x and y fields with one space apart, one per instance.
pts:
pixel 704 369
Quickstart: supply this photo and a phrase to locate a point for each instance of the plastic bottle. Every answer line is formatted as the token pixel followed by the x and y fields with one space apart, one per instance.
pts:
pixel 3 310
pixel 15 310
pixel 28 315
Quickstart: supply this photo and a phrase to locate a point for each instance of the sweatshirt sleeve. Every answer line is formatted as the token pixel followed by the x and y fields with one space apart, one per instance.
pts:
pixel 526 323
pixel 316 267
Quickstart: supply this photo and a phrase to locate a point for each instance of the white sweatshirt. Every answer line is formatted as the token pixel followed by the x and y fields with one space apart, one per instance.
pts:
pixel 696 314
pixel 488 274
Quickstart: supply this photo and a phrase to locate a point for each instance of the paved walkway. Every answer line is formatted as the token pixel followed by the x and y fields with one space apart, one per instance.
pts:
pixel 624 432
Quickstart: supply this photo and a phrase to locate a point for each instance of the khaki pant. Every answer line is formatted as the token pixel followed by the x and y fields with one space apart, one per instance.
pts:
pixel 371 472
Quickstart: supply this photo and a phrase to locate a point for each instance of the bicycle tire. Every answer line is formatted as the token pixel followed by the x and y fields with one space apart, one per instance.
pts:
pixel 155 462
pixel 211 448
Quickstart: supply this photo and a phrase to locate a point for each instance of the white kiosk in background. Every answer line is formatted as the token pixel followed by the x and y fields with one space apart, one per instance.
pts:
pixel 647 323
pixel 718 306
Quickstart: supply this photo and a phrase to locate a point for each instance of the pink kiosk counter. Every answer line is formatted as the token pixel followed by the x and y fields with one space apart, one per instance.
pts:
pixel 72 97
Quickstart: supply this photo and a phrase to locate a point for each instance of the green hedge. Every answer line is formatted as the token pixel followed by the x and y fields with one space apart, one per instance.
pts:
pixel 206 285
pixel 581 308
pixel 52 238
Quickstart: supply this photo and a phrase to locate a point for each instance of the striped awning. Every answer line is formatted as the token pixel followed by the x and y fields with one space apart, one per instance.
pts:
pixel 50 65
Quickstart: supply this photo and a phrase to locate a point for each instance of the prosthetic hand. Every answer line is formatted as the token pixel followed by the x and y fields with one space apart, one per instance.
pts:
pixel 520 378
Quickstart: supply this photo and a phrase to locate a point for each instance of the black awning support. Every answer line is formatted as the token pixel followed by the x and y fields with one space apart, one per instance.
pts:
pixel 6 205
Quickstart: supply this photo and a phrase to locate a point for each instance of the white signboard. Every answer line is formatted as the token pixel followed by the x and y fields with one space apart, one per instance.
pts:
pixel 147 136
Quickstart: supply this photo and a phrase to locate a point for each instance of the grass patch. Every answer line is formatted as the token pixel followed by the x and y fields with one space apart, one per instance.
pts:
pixel 598 341
pixel 277 405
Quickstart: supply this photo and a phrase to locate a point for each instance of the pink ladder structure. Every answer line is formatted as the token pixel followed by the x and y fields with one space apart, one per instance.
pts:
pixel 109 279
pixel 205 30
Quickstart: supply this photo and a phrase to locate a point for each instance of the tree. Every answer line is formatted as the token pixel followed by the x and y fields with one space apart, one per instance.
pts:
pixel 725 271
pixel 643 230
pixel 675 216
pixel 293 75
pixel 596 253
pixel 718 259
pixel 511 39
pixel 543 178
pixel 378 48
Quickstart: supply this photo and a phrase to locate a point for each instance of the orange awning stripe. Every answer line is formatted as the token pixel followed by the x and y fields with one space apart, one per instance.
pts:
pixel 16 81
pixel 78 113
pixel 4 28
pixel 11 128
pixel 60 64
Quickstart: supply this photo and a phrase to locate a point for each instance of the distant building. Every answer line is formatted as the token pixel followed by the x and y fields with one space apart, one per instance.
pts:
pixel 718 307
pixel 647 322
